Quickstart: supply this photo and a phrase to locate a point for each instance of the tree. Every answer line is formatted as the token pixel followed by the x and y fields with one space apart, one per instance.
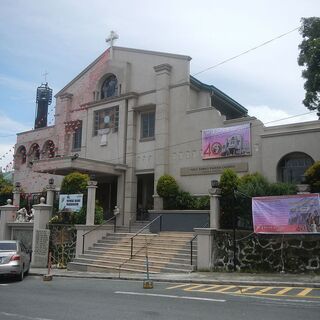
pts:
pixel 74 182
pixel 6 189
pixel 313 176
pixel 309 58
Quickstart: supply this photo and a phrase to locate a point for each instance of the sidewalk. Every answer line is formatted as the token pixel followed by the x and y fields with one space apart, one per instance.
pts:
pixel 275 279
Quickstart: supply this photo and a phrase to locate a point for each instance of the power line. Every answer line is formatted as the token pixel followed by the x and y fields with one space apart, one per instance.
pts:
pixel 245 52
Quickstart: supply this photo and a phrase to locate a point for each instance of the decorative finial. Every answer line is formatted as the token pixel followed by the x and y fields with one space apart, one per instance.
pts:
pixel 113 36
pixel 9 202
pixel 45 76
pixel 42 200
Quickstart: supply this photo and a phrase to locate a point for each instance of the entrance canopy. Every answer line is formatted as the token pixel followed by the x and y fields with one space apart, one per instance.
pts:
pixel 65 165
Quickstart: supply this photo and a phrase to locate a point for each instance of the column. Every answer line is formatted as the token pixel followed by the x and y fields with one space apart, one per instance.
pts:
pixel 51 188
pixel 163 73
pixel 215 194
pixel 205 249
pixel 40 238
pixel 120 199
pixel 130 195
pixel 8 214
pixel 16 194
pixel 91 202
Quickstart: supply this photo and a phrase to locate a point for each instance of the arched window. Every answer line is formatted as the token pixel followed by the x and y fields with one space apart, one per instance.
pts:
pixel 34 152
pixel 48 150
pixel 109 87
pixel 292 167
pixel 21 156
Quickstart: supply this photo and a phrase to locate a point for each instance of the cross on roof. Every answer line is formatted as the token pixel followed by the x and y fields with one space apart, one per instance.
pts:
pixel 45 76
pixel 113 36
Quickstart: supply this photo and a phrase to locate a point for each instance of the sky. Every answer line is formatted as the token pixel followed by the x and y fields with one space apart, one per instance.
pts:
pixel 62 37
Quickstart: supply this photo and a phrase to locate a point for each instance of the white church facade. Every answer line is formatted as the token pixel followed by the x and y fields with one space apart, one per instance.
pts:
pixel 133 115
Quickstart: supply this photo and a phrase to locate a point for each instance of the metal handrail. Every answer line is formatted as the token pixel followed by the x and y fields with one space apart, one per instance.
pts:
pixel 191 243
pixel 99 226
pixel 146 226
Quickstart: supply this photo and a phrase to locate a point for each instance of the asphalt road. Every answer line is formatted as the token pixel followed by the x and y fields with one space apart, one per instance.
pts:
pixel 69 298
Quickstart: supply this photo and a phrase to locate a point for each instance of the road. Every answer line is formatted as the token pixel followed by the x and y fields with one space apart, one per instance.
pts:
pixel 70 298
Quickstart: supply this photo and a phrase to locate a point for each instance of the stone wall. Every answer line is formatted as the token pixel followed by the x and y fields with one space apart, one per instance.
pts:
pixel 267 253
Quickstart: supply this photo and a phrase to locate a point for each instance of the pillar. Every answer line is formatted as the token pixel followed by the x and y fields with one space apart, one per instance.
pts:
pixel 8 214
pixel 91 202
pixel 40 238
pixel 205 252
pixel 120 199
pixel 215 194
pixel 51 188
pixel 130 194
pixel 16 194
pixel 163 74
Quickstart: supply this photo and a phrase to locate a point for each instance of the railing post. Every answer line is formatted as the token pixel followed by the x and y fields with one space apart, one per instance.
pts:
pixel 191 252
pixel 160 223
pixel 131 247
pixel 83 243
pixel 115 225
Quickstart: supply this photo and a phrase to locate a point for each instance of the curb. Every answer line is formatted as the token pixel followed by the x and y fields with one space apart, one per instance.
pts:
pixel 191 281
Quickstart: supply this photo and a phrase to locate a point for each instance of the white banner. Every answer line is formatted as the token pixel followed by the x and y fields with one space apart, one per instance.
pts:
pixel 71 202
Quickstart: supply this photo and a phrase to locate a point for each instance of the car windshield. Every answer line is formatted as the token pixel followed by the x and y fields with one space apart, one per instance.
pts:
pixel 8 246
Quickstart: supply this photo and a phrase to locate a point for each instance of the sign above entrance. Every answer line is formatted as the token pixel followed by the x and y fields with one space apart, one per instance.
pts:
pixel 195 171
pixel 70 202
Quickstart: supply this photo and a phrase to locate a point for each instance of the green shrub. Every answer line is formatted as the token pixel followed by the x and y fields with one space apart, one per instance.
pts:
pixel 74 183
pixel 238 204
pixel 167 186
pixel 202 203
pixel 77 217
pixel 312 175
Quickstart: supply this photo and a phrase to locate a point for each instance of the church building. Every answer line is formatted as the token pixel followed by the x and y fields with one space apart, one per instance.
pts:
pixel 134 115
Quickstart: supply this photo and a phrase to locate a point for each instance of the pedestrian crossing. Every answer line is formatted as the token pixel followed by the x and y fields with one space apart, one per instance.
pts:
pixel 275 291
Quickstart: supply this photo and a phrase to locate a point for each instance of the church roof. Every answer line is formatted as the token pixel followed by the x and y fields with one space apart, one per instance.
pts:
pixel 224 103
pixel 170 55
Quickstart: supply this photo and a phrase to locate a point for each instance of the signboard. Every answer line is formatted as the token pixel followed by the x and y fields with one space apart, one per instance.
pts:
pixel 71 202
pixel 286 214
pixel 41 248
pixel 196 171
pixel 232 141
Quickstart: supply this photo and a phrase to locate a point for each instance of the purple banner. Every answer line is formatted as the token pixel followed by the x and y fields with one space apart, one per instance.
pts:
pixel 226 142
pixel 286 214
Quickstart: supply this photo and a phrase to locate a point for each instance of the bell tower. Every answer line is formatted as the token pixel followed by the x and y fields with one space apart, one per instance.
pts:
pixel 44 99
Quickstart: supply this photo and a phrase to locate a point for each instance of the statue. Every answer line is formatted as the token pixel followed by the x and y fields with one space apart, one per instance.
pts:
pixel 23 216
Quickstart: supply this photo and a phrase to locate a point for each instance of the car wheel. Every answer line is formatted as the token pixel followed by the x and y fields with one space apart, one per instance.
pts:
pixel 21 275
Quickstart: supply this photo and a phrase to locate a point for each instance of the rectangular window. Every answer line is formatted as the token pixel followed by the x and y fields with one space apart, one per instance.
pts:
pixel 106 118
pixel 77 134
pixel 147 124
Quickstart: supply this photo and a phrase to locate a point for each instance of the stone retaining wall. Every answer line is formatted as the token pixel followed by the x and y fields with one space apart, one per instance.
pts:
pixel 267 253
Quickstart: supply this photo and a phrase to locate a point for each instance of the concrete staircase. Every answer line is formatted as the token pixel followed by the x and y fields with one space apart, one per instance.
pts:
pixel 167 252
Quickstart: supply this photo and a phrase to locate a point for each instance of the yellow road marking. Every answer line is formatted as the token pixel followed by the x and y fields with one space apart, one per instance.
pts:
pixel 209 288
pixel 244 289
pixel 194 287
pixel 304 292
pixel 262 291
pixel 224 289
pixel 283 291
pixel 179 286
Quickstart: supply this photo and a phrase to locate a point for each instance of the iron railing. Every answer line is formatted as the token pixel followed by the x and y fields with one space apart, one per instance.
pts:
pixel 99 226
pixel 143 247
pixel 146 226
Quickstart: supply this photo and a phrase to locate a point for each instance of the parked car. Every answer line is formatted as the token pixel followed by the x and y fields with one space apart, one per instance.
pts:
pixel 14 259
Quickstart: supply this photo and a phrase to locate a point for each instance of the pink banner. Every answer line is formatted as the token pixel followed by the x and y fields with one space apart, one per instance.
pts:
pixel 226 142
pixel 286 214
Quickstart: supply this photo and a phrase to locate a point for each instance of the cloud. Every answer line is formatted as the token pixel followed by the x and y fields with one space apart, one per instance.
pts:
pixel 273 117
pixel 9 127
